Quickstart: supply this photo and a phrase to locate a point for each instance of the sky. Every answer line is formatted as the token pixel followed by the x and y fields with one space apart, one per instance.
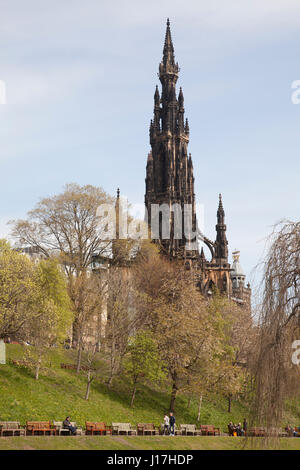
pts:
pixel 80 79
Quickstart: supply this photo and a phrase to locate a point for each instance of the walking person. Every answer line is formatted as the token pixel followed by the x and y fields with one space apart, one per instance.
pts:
pixel 172 424
pixel 245 426
pixel 166 424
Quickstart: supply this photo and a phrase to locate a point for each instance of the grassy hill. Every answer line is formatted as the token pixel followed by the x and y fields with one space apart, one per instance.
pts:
pixel 60 392
pixel 135 443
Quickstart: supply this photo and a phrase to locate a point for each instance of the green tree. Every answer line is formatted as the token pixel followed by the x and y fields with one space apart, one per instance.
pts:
pixel 52 318
pixel 142 362
pixel 67 225
pixel 16 291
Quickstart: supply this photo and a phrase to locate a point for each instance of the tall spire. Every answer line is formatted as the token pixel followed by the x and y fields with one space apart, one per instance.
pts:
pixel 168 65
pixel 220 213
pixel 169 174
pixel 221 239
pixel 168 53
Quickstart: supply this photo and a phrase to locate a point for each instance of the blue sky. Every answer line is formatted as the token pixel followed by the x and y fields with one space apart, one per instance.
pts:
pixel 80 78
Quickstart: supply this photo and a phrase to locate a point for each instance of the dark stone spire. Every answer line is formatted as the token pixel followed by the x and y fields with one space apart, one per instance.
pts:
pixel 169 177
pixel 221 243
pixel 168 53
pixel 220 213
pixel 156 97
pixel 180 98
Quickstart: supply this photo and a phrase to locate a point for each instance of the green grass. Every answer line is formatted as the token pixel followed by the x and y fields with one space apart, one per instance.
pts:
pixel 133 443
pixel 60 392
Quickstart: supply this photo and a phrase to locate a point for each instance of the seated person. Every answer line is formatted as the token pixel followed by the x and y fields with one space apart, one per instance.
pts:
pixel 231 428
pixel 67 425
pixel 290 430
pixel 239 430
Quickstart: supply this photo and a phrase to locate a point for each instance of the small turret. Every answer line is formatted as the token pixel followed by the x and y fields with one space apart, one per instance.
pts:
pixel 156 97
pixel 187 127
pixel 237 274
pixel 221 248
pixel 180 98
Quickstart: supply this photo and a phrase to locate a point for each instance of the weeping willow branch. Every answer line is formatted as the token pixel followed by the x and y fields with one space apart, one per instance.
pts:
pixel 275 377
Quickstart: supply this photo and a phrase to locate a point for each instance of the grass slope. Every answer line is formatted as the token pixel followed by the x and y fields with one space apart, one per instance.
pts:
pixel 134 443
pixel 60 392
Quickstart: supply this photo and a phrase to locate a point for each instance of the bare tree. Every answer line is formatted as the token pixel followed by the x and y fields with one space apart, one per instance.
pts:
pixel 67 226
pixel 275 376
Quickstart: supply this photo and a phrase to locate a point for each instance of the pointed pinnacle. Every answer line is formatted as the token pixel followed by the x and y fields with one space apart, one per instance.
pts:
pixel 168 53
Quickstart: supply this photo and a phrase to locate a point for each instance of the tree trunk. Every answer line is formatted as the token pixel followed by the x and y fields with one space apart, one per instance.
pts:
pixel 133 395
pixel 79 355
pixel 75 334
pixel 229 403
pixel 199 407
pixel 88 385
pixel 37 369
pixel 173 396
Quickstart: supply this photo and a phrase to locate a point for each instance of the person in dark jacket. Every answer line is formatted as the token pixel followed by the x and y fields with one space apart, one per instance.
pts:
pixel 172 424
pixel 245 426
pixel 67 425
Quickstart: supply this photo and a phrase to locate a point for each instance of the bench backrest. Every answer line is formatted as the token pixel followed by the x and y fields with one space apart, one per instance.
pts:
pixel 38 424
pixel 149 427
pixel 9 425
pixel 210 428
pixel 122 426
pixel 190 427
pixel 99 426
pixel 95 426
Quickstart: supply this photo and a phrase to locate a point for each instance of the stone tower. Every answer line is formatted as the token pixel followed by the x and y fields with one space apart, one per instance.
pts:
pixel 169 178
pixel 170 185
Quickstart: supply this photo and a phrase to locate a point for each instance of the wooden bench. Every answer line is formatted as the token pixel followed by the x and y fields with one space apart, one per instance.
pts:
pixel 257 432
pixel 60 430
pixel 92 428
pixel 146 428
pixel 37 427
pixel 190 430
pixel 209 430
pixel 123 428
pixel 11 427
pixel 182 430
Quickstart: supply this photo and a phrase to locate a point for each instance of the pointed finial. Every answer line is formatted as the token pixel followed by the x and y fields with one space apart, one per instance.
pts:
pixel 180 98
pixel 156 96
pixel 168 52
pixel 118 193
pixel 220 213
pixel 187 127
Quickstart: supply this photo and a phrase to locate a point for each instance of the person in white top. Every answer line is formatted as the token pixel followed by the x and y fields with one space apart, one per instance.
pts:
pixel 166 424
